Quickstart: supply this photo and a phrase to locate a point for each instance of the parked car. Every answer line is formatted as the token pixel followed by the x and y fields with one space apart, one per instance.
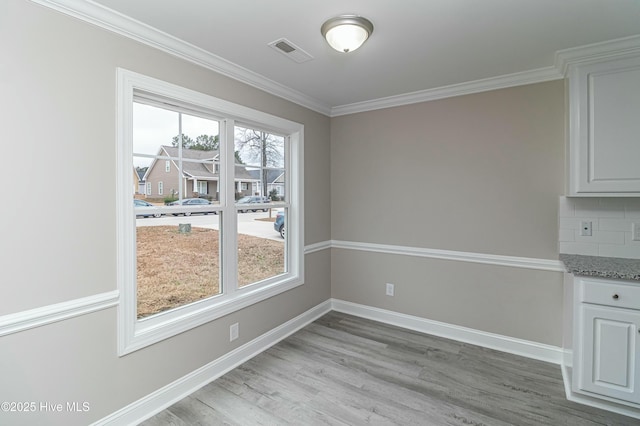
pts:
pixel 252 199
pixel 192 202
pixel 145 209
pixel 278 225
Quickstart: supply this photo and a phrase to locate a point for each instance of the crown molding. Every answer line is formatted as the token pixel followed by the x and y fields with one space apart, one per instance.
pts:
pixel 597 52
pixel 500 82
pixel 93 13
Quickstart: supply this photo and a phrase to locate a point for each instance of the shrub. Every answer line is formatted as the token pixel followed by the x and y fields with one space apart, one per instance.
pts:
pixel 170 198
pixel 273 195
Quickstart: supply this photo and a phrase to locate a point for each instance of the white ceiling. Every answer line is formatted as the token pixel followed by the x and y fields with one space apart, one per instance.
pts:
pixel 416 45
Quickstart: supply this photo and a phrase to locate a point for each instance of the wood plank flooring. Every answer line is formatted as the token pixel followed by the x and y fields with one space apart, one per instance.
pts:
pixel 344 370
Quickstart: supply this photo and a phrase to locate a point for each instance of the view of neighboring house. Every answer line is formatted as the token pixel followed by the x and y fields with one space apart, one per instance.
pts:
pixel 198 179
pixel 275 180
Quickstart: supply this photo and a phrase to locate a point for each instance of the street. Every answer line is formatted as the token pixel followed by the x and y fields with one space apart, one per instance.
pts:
pixel 247 223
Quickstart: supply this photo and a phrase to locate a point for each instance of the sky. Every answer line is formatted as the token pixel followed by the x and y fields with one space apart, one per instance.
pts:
pixel 154 127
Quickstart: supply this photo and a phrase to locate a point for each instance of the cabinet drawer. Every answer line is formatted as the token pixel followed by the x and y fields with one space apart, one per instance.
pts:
pixel 610 293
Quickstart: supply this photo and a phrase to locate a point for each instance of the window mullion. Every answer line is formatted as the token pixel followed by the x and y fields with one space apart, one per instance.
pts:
pixel 229 225
pixel 180 172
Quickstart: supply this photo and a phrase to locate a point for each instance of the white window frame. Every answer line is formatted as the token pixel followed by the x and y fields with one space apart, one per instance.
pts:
pixel 134 333
pixel 160 188
pixel 147 188
pixel 167 166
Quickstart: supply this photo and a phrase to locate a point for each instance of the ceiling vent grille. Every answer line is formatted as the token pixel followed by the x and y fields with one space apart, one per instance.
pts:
pixel 290 50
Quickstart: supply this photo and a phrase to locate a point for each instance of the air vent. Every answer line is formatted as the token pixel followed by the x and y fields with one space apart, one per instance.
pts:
pixel 286 48
pixel 290 50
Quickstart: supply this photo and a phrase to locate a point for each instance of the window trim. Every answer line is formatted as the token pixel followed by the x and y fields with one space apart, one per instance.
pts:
pixel 134 333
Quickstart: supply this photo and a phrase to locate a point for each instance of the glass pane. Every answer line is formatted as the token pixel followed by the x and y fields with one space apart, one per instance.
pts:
pixel 152 128
pixel 154 177
pixel 200 134
pixel 261 248
pixel 247 185
pixel 177 253
pixel 260 160
pixel 200 172
pixel 178 260
pixel 276 184
pixel 275 152
pixel 258 148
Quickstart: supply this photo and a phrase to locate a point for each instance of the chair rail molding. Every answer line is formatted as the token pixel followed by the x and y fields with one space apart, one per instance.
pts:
pixel 24 320
pixel 489 259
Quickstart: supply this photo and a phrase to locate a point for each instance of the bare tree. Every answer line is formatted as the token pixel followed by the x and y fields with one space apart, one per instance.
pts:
pixel 259 147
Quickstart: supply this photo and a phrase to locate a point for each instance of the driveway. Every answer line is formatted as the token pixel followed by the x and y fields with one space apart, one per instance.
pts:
pixel 247 223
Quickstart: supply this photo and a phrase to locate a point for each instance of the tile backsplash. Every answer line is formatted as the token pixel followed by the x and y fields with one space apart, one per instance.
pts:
pixel 611 220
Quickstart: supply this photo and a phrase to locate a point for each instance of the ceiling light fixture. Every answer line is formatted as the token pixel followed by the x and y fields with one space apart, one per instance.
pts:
pixel 347 32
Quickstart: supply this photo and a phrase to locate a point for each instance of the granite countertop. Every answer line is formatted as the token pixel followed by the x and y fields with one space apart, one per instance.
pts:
pixel 604 267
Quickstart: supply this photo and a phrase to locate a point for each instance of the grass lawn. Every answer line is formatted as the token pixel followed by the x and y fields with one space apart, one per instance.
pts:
pixel 176 269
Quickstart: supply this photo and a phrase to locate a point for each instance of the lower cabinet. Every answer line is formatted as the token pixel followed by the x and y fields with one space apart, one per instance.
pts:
pixel 606 338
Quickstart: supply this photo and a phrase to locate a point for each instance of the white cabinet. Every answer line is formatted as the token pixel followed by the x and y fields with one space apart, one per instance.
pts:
pixel 610 361
pixel 607 324
pixel 604 128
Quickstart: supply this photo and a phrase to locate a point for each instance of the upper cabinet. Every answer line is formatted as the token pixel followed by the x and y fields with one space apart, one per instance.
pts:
pixel 604 128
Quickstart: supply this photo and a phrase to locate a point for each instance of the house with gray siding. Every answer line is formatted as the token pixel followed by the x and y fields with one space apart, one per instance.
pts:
pixel 199 177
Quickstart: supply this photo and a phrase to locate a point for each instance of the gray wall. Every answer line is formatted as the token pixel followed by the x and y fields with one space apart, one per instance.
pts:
pixel 59 112
pixel 480 173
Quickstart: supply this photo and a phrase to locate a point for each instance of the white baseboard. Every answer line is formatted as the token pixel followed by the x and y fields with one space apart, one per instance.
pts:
pixel 567 358
pixel 173 392
pixel 507 344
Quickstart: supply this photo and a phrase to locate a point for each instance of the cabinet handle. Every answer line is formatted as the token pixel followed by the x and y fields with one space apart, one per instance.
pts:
pixel 616 297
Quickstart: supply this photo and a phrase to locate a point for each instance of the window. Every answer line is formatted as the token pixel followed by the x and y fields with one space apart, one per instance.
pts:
pixel 202 188
pixel 180 271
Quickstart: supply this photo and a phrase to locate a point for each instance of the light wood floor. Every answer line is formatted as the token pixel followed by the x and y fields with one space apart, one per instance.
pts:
pixel 344 370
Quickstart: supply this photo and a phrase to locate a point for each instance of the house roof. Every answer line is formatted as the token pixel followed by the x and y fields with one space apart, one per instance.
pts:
pixel 202 171
pixel 273 176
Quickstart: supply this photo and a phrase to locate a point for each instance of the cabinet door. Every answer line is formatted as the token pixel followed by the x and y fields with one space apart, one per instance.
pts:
pixel 609 364
pixel 605 128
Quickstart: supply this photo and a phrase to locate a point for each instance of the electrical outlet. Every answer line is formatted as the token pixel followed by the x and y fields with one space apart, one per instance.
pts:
pixel 635 231
pixel 585 229
pixel 233 332
pixel 390 289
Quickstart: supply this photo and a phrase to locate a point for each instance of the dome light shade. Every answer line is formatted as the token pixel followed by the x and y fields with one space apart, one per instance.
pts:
pixel 346 33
